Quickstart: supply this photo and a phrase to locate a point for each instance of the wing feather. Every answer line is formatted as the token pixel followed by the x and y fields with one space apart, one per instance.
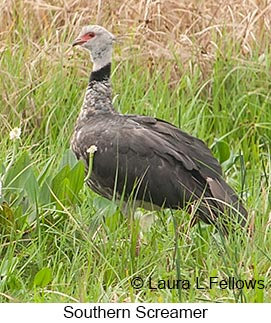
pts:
pixel 158 162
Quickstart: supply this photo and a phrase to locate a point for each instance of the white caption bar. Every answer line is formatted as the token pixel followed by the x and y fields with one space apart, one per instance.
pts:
pixel 28 313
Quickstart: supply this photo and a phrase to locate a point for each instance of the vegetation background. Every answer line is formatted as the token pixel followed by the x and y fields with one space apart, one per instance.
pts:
pixel 202 65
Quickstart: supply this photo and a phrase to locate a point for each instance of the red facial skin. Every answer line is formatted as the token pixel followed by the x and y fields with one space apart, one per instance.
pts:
pixel 83 39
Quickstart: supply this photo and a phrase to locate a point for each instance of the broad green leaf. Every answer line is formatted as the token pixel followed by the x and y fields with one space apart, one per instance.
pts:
pixel 43 277
pixel 65 190
pixel 45 170
pixel 57 182
pixel 68 158
pixel 68 182
pixel 44 193
pixel 20 178
pixel 18 172
pixel 31 186
pixel 223 149
pixel 76 178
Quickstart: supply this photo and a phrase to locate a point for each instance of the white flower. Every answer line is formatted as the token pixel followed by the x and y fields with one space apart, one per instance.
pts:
pixel 15 133
pixel 91 150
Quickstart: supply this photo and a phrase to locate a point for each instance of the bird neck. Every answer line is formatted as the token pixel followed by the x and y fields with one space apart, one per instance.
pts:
pixel 98 97
pixel 102 74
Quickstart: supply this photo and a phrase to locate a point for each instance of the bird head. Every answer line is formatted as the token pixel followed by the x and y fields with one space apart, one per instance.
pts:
pixel 98 41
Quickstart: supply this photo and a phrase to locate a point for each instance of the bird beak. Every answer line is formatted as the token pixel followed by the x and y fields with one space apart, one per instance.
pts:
pixel 78 41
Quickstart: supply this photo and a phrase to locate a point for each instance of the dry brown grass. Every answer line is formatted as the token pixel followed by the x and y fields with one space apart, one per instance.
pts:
pixel 176 34
pixel 157 28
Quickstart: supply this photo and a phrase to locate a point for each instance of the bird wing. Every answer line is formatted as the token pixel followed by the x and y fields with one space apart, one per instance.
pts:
pixel 196 170
pixel 152 161
pixel 190 151
pixel 155 152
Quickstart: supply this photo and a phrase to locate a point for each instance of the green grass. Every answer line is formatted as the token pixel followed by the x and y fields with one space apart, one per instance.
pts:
pixel 89 248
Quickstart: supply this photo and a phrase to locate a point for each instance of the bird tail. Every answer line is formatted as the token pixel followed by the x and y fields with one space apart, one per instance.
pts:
pixel 223 208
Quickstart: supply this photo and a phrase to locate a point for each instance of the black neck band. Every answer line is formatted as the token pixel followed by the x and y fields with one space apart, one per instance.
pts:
pixel 101 74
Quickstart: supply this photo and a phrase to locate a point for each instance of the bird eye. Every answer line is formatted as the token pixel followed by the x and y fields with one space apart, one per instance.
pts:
pixel 91 34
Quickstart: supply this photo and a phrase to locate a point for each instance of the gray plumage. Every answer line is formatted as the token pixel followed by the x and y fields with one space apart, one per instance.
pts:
pixel 142 158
